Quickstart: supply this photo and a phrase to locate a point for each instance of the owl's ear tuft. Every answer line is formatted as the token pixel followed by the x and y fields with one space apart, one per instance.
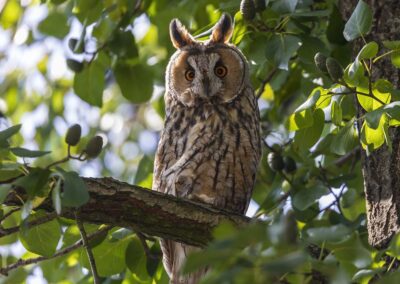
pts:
pixel 222 31
pixel 180 37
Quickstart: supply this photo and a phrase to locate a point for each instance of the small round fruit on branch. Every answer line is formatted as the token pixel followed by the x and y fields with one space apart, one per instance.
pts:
pixel 248 9
pixel 94 147
pixel 73 135
pixel 275 161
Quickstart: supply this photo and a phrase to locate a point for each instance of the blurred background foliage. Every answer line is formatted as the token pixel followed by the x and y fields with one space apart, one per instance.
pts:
pixel 101 64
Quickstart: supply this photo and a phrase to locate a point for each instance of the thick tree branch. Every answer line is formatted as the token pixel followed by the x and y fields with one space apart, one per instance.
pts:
pixel 151 213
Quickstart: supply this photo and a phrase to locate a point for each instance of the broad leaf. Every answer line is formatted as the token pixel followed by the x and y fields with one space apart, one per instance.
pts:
pixel 7 133
pixel 308 196
pixel 35 182
pixel 345 140
pixel 89 84
pixel 56 24
pixel 310 102
pixel 334 233
pixel 135 82
pixel 307 137
pixel 109 257
pixel 359 23
pixel 279 49
pixel 41 239
pixel 75 190
pixel 368 51
pixel 22 152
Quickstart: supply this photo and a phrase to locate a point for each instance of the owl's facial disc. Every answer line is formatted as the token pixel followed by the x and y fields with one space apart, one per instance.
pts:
pixel 205 82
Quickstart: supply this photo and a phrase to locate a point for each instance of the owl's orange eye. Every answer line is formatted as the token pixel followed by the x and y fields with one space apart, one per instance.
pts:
pixel 221 71
pixel 189 75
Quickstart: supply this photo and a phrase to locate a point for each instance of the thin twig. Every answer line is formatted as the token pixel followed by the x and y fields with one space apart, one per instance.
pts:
pixel 9 213
pixel 24 262
pixel 265 82
pixel 38 221
pixel 86 245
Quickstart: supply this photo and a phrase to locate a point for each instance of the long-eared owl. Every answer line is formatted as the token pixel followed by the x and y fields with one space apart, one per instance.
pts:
pixel 210 146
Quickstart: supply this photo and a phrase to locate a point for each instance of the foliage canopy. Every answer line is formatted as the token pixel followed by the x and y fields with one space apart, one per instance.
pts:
pixel 101 64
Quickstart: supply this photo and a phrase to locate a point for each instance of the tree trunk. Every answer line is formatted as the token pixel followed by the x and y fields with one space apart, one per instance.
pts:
pixel 381 169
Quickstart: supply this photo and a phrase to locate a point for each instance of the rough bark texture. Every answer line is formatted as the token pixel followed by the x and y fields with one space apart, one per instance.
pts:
pixel 149 212
pixel 381 169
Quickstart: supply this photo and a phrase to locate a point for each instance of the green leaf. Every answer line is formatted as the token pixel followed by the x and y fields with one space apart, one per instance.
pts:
pixel 395 58
pixel 368 103
pixel 4 190
pixel 7 133
pixel 392 110
pixel 364 275
pixel 310 102
pixel 306 197
pixel 345 140
pixel 354 73
pixel 284 6
pixel 35 182
pixel 145 168
pixel 123 45
pixel 336 113
pixel 300 120
pixel 41 239
pixel 88 11
pixel 279 49
pixel 135 259
pixel 391 44
pixel 368 51
pixel 135 82
pixel 109 257
pixel 56 24
pixel 305 138
pixel 335 233
pixel 75 190
pixel 334 31
pixel 89 83
pixel 373 138
pixel 22 152
pixel 353 252
pixel 154 260
pixel 56 196
pixel 359 23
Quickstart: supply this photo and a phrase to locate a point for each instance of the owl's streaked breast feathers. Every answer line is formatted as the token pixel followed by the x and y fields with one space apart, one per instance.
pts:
pixel 210 146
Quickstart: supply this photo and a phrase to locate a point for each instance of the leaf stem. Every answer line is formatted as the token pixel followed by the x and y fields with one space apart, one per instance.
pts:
pixel 24 262
pixel 86 245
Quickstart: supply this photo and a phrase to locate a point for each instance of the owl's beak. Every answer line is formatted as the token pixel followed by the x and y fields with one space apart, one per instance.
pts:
pixel 206 86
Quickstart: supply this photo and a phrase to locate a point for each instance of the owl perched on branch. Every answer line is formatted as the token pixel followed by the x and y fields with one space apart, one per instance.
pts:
pixel 210 146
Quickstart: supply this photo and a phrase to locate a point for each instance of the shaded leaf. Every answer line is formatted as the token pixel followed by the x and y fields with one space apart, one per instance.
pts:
pixel 35 182
pixel 279 49
pixel 56 24
pixel 135 82
pixel 75 190
pixel 89 83
pixel 359 23
pixel 22 152
pixel 41 239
